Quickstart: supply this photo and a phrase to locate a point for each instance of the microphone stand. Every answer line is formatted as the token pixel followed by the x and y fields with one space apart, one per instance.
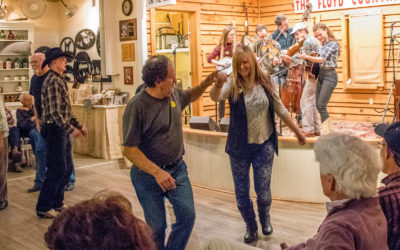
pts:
pixel 394 67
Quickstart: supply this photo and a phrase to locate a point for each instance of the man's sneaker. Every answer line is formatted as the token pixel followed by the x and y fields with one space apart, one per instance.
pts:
pixel 48 214
pixel 69 187
pixel 60 209
pixel 35 188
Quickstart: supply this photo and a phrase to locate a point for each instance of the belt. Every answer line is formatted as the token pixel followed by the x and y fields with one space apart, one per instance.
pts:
pixel 171 164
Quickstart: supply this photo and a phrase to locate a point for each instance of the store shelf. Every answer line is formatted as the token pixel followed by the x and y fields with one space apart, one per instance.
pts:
pixel 170 50
pixel 14 93
pixel 14 55
pixel 16 69
pixel 14 81
pixel 14 40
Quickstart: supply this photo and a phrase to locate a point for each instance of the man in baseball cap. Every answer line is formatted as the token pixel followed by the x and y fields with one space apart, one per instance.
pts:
pixel 389 195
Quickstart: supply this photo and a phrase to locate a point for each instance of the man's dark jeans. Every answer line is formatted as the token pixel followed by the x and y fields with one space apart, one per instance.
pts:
pixel 59 167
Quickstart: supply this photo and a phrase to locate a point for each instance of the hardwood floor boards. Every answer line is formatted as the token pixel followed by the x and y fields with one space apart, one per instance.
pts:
pixel 216 212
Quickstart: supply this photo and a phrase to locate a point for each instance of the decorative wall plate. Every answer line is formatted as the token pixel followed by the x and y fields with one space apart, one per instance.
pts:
pixel 82 66
pixel 42 49
pixel 68 46
pixel 85 39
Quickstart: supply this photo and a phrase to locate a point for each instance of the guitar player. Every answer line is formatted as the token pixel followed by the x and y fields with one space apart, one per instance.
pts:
pixel 224 49
pixel 310 118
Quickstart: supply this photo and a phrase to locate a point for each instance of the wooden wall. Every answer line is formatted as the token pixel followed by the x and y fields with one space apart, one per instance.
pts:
pixel 215 14
pixel 349 104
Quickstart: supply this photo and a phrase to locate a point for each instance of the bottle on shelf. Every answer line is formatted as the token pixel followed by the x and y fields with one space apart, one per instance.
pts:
pixel 2 35
pixel 11 36
pixel 25 62
pixel 7 63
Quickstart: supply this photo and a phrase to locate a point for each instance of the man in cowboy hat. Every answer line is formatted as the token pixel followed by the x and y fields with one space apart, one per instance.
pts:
pixel 58 126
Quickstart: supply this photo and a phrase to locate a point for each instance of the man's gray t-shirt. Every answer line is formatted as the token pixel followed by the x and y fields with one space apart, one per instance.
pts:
pixel 155 125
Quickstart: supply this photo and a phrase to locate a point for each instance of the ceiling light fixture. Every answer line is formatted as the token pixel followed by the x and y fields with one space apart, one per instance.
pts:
pixel 71 9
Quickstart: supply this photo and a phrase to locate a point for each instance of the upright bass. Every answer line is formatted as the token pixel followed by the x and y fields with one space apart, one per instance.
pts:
pixel 293 88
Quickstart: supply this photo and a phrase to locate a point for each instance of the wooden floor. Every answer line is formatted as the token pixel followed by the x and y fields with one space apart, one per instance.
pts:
pixel 217 214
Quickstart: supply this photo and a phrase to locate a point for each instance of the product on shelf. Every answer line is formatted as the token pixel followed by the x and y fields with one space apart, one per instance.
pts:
pixel 25 62
pixel 2 35
pixel 18 63
pixel 19 87
pixel 11 36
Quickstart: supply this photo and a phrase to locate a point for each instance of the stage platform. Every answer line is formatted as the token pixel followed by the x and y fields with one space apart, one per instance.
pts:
pixel 295 175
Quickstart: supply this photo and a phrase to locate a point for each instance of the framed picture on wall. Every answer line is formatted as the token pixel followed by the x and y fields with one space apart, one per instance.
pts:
pixel 128 52
pixel 158 3
pixel 128 30
pixel 128 75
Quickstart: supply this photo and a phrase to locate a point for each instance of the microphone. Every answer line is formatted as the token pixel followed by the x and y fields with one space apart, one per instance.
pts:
pixel 174 46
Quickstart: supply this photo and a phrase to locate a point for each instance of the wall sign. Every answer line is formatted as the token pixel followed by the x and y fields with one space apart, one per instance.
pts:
pixel 128 52
pixel 326 5
pixel 158 3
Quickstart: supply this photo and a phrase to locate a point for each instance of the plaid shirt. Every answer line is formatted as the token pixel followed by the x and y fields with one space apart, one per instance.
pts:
pixel 284 40
pixel 329 52
pixel 389 197
pixel 56 106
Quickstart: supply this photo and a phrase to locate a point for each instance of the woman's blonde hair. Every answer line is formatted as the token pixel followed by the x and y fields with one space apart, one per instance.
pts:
pixel 256 74
pixel 224 38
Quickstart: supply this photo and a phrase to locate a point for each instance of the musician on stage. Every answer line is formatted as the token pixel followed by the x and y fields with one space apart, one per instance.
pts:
pixel 225 48
pixel 267 52
pixel 328 78
pixel 283 35
pixel 310 119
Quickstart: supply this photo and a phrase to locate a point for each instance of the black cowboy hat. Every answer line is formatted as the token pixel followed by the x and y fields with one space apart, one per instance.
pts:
pixel 53 54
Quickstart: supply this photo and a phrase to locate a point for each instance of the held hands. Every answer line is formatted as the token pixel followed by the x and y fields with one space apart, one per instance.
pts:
pixel 220 79
pixel 302 56
pixel 164 180
pixel 286 58
pixel 76 133
pixel 301 139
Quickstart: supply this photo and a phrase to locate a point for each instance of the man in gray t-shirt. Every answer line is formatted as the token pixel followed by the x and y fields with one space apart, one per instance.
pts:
pixel 153 142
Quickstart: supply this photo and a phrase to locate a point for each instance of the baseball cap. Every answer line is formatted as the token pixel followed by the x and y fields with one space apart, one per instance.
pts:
pixel 391 134
pixel 298 26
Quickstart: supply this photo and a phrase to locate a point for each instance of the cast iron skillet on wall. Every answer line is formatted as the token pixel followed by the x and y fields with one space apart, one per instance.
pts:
pixel 82 67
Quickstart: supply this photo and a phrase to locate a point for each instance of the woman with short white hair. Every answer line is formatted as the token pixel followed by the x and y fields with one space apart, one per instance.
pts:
pixel 349 169
pixel 355 165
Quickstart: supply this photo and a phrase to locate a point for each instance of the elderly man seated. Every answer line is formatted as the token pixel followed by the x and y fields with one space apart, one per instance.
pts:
pixel 349 171
pixel 389 195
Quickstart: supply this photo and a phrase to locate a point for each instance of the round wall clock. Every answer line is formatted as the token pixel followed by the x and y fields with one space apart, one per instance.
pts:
pixel 127 7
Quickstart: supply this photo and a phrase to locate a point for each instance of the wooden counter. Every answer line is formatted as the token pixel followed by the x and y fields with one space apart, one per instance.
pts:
pixel 295 174
pixel 104 124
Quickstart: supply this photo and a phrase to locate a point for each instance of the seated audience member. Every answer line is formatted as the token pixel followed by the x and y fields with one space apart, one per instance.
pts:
pixel 14 141
pixel 389 195
pixel 104 222
pixel 28 125
pixel 349 171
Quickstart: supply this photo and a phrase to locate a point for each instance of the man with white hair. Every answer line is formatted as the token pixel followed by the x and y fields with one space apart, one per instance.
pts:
pixel 349 171
pixel 389 195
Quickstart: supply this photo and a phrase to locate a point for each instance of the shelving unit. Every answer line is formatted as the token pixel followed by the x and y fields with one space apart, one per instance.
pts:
pixel 24 32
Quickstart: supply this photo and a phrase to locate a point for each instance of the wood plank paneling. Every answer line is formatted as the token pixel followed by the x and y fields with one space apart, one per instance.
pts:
pixel 345 104
pixel 215 14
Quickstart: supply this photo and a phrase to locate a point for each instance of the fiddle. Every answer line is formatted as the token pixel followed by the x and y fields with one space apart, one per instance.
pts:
pixel 269 50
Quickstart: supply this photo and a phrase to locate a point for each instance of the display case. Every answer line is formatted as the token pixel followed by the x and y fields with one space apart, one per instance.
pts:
pixel 16 42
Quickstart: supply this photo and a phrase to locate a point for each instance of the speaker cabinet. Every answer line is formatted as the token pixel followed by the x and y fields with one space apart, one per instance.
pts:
pixel 203 123
pixel 224 124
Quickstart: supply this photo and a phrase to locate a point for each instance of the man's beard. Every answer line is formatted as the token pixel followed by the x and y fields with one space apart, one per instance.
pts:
pixel 36 71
